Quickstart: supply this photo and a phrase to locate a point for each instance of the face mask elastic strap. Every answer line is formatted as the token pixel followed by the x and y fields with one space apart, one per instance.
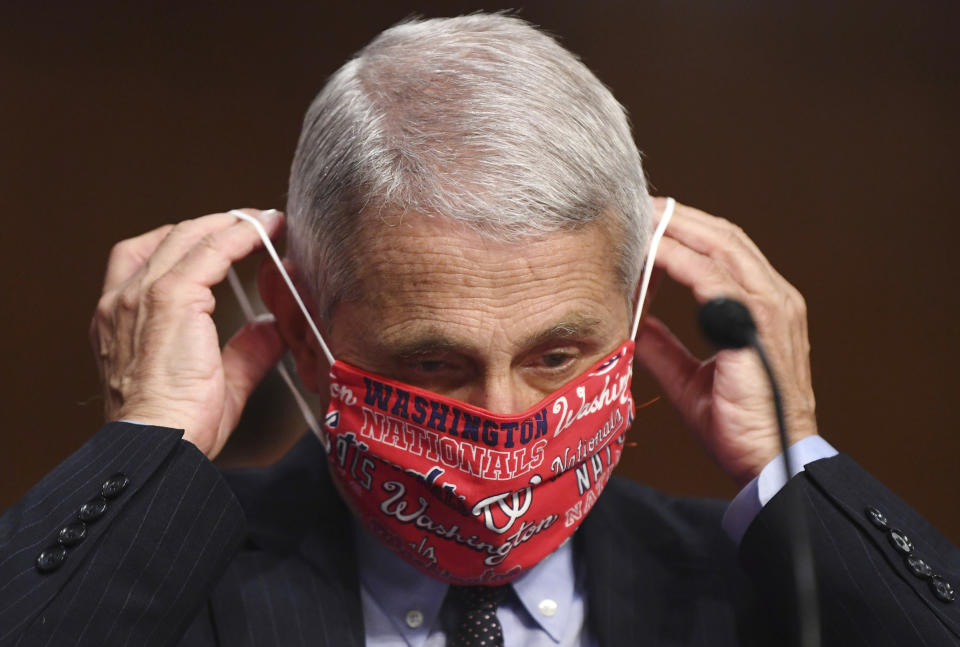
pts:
pixel 250 315
pixel 286 277
pixel 651 256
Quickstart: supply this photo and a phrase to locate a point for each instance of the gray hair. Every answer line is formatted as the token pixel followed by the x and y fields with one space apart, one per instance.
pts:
pixel 482 119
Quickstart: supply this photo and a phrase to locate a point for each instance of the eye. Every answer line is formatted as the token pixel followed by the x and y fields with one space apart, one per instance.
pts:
pixel 556 360
pixel 438 374
pixel 431 365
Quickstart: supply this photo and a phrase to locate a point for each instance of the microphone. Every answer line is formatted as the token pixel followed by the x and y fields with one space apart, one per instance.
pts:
pixel 728 325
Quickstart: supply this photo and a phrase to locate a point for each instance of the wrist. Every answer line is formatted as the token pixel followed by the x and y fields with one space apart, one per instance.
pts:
pixel 150 416
pixel 773 476
pixel 198 442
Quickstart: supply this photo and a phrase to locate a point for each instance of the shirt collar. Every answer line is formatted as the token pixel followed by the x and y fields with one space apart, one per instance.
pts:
pixel 398 587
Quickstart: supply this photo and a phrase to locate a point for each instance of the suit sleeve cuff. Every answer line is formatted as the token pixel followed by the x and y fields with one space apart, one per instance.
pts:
pixel 757 493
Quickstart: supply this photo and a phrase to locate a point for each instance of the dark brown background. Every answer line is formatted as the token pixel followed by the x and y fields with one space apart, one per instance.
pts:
pixel 828 130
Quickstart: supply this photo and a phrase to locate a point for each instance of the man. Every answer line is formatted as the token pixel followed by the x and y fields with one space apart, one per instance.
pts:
pixel 468 218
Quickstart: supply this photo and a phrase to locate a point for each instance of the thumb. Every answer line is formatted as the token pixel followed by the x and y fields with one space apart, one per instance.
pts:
pixel 247 358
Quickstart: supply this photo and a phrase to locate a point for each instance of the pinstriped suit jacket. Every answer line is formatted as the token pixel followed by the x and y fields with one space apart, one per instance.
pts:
pixel 188 556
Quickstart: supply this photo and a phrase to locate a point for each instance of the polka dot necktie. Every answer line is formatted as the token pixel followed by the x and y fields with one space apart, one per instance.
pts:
pixel 477 624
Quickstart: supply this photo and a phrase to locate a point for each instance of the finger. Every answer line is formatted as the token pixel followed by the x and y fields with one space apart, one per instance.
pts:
pixel 667 359
pixel 693 221
pixel 187 234
pixel 724 241
pixel 247 358
pixel 207 262
pixel 770 296
pixel 705 277
pixel 128 256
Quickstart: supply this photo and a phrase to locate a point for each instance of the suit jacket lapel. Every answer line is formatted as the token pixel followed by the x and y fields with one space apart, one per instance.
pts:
pixel 652 577
pixel 620 607
pixel 299 559
pixel 330 549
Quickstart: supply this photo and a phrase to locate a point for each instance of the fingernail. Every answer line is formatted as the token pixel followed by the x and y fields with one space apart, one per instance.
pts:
pixel 269 215
pixel 265 317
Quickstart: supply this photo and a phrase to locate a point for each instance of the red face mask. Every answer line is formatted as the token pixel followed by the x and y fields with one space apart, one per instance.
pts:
pixel 467 495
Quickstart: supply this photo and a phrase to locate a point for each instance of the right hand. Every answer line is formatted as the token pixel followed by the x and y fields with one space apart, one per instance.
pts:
pixel 154 337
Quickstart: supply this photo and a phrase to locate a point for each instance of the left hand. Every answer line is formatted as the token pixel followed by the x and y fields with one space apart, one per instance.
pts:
pixel 726 399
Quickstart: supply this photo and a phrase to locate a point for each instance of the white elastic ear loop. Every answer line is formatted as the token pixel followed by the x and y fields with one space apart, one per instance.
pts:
pixel 286 277
pixel 651 256
pixel 250 315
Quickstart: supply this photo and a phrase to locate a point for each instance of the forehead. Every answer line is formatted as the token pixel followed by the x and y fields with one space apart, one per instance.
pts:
pixel 433 275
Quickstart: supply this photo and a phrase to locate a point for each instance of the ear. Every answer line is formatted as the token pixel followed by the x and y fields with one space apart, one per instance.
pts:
pixel 312 366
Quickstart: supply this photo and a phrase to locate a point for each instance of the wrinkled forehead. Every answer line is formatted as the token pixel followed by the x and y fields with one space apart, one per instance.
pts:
pixel 416 269
pixel 415 254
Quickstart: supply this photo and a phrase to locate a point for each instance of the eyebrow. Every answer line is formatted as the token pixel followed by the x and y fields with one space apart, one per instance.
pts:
pixel 573 326
pixel 431 342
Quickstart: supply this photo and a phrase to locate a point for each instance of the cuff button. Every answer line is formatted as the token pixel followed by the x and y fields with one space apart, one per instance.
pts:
pixel 72 534
pixel 92 510
pixel 918 567
pixel 942 589
pixel 877 518
pixel 51 559
pixel 900 541
pixel 114 486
